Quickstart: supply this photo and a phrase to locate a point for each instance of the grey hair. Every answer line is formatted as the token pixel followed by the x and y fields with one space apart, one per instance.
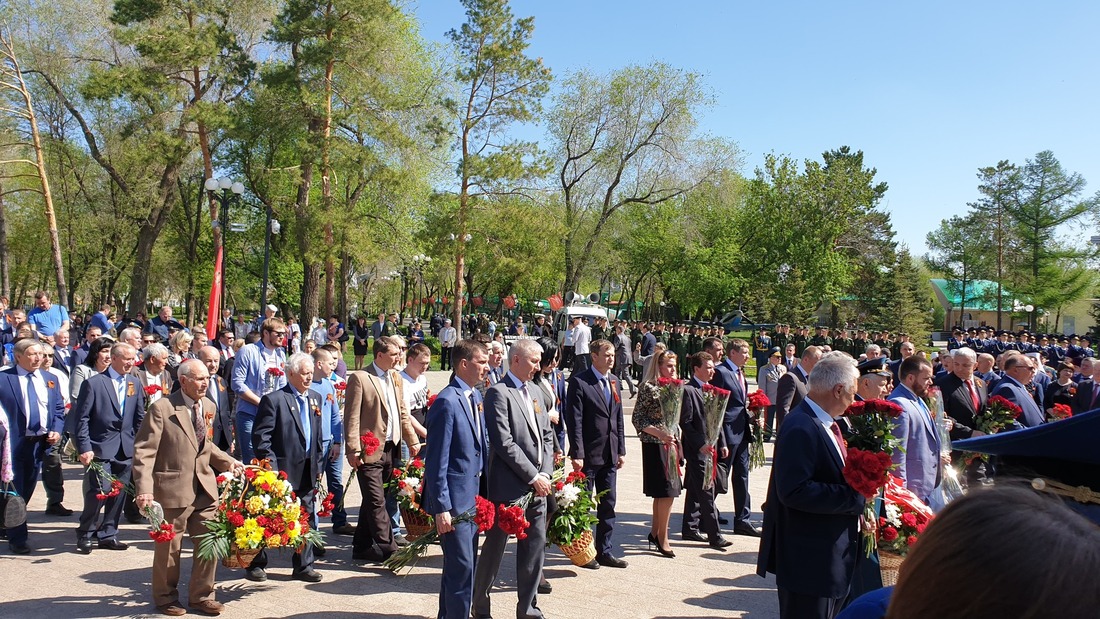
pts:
pixel 834 368
pixel 118 349
pixel 873 347
pixel 494 345
pixel 966 353
pixel 299 363
pixel 523 347
pixel 188 368
pixel 155 350
pixel 129 332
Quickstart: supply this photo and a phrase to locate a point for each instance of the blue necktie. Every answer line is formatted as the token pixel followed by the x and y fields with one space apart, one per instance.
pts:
pixel 303 413
pixel 34 416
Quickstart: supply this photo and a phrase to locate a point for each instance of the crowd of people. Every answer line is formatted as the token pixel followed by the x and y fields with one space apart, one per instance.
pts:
pixel 159 406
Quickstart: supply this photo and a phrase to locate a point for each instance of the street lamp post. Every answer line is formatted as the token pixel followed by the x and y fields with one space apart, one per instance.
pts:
pixel 224 190
pixel 271 226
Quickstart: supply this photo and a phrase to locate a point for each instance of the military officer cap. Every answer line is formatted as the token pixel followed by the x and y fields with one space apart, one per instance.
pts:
pixel 776 352
pixel 874 366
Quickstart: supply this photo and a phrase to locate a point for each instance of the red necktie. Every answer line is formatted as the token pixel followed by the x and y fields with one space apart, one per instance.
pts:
pixel 974 399
pixel 840 441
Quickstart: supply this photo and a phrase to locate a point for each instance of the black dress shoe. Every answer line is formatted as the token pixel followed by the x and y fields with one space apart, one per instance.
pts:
pixel 400 540
pixel 112 544
pixel 746 528
pixel 344 529
pixel 545 587
pixel 57 509
pixel 591 565
pixel 722 520
pixel 308 575
pixel 20 549
pixel 319 551
pixel 610 561
pixel 256 574
pixel 84 546
pixel 719 543
pixel 692 536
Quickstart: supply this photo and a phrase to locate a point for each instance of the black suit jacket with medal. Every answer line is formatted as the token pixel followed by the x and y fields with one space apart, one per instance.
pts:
pixel 277 435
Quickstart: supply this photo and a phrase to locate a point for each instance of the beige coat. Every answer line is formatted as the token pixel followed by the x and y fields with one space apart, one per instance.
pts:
pixel 365 410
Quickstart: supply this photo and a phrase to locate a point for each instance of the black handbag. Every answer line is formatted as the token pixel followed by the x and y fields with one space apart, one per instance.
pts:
pixel 13 509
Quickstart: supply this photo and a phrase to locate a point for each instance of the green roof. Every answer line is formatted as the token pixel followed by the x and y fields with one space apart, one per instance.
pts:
pixel 981 294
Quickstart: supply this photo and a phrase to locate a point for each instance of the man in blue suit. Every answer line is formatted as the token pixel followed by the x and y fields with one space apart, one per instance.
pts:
pixel 287 433
pixel 455 460
pixel 332 437
pixel 1019 371
pixel 812 516
pixel 733 471
pixel 257 371
pixel 32 401
pixel 107 415
pixel 597 445
pixel 918 461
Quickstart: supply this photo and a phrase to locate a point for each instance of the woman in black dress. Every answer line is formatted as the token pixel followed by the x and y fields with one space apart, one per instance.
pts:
pixel 1062 390
pixel 648 422
pixel 359 340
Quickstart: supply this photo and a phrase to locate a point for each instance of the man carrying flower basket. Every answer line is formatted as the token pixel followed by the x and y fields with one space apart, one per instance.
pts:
pixel 521 461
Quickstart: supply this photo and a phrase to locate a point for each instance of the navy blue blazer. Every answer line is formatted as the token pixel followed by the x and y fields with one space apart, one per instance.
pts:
pixel 736 414
pixel 278 436
pixel 595 429
pixel 11 398
pixel 1011 390
pixel 100 425
pixel 811 516
pixel 456 455
pixel 693 434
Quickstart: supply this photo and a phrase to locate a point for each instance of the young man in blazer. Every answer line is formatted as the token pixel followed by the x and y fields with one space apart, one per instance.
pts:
pixel 108 412
pixel 699 507
pixel 521 460
pixel 918 462
pixel 733 470
pixel 596 440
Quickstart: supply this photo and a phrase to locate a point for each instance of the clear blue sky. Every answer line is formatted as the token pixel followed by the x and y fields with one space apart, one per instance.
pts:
pixel 928 91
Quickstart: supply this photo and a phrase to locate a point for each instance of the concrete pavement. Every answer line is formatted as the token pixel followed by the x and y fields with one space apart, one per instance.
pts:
pixel 56 582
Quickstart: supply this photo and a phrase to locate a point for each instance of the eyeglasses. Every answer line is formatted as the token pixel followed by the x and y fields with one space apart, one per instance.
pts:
pixel 279 333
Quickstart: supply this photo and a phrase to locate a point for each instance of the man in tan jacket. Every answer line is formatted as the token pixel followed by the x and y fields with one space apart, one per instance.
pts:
pixel 174 464
pixel 375 402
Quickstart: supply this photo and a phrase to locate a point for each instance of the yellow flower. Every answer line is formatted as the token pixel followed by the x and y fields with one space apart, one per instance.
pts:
pixel 255 505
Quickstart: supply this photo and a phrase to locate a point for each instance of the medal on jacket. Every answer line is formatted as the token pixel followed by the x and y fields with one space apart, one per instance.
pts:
pixel 129 389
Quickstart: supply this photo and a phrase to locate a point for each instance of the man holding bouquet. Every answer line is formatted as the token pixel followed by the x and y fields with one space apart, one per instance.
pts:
pixel 699 502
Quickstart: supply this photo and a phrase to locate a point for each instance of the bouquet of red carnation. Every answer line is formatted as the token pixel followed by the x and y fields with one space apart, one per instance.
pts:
pixel 903 520
pixel 109 485
pixel 758 408
pixel 512 519
pixel 152 390
pixel 670 395
pixel 341 389
pixel 483 514
pixel 327 505
pixel 871 446
pixel 369 444
pixel 999 413
pixel 714 412
pixel 1060 412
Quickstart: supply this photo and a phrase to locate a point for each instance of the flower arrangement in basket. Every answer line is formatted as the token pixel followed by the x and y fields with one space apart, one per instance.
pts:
pixel 999 413
pixel 903 520
pixel 1059 412
pixel 483 514
pixel 871 446
pixel 257 509
pixel 571 524
pixel 407 486
pixel 758 407
pixel 714 411
pixel 670 395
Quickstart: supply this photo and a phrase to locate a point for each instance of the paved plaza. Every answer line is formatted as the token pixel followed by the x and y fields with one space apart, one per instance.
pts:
pixel 56 582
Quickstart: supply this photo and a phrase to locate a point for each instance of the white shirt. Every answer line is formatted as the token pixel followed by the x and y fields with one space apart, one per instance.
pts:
pixel 42 393
pixel 448 336
pixel 151 380
pixel 393 430
pixel 826 422
pixel 581 339
pixel 416 391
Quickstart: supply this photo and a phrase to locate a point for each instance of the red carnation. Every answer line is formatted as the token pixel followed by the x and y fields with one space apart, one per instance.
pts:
pixel 250 473
pixel 758 399
pixel 513 521
pixel 889 534
pixel 485 516
pixel 912 539
pixel 235 519
pixel 152 390
pixel 164 533
pixel 370 443
pixel 909 519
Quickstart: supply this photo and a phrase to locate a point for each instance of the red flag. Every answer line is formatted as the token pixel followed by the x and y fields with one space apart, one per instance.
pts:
pixel 213 312
pixel 555 302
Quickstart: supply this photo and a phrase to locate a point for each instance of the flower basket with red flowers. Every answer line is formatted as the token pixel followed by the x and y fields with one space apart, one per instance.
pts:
pixel 999 413
pixel 903 520
pixel 670 395
pixel 571 523
pixel 1059 412
pixel 407 485
pixel 714 413
pixel 871 446
pixel 758 411
pixel 482 514
pixel 257 509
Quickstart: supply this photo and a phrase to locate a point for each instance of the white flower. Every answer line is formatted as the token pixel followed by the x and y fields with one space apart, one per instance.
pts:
pixel 567 495
pixel 411 485
pixel 893 514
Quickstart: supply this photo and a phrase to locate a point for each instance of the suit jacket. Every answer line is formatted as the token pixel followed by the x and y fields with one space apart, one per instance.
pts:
pixel 167 460
pixel 457 453
pixel 279 436
pixel 1011 390
pixel 223 419
pixel 11 399
pixel 693 434
pixel 166 380
pixel 61 362
pixel 595 428
pixel 102 426
pixel 521 441
pixel 811 516
pixel 737 417
pixel 918 462
pixel 365 409
pixel 1082 400
pixel 791 391
pixel 79 354
pixel 958 404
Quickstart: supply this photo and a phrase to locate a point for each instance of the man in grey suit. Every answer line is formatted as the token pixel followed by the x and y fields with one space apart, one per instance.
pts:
pixel 521 460
pixel 792 386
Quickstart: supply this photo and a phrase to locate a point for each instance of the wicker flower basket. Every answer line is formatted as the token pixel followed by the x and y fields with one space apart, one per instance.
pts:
pixel 240 557
pixel 417 523
pixel 889 563
pixel 581 551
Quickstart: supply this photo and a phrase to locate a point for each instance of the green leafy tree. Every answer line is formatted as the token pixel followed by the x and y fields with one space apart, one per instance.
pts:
pixel 960 254
pixel 998 184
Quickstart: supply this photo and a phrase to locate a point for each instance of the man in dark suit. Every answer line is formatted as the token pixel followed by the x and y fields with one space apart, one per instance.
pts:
pixel 32 401
pixel 964 398
pixel 454 462
pixel 62 353
pixel 733 470
pixel 597 445
pixel 1087 397
pixel 699 510
pixel 521 460
pixel 287 433
pixel 792 386
pixel 218 392
pixel 812 516
pixel 80 353
pixel 1019 370
pixel 108 412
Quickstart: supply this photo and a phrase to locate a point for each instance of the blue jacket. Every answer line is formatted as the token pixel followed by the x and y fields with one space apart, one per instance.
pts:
pixel 1013 391
pixel 250 372
pixel 457 453
pixel 918 462
pixel 11 398
pixel 101 426
pixel 332 424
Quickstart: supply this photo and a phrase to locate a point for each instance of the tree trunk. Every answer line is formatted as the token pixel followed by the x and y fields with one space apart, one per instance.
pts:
pixel 5 281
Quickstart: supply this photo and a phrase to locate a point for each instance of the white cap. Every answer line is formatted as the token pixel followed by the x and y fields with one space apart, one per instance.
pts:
pixel 272 308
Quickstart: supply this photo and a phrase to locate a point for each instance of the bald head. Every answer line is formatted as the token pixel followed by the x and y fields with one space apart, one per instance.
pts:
pixel 211 358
